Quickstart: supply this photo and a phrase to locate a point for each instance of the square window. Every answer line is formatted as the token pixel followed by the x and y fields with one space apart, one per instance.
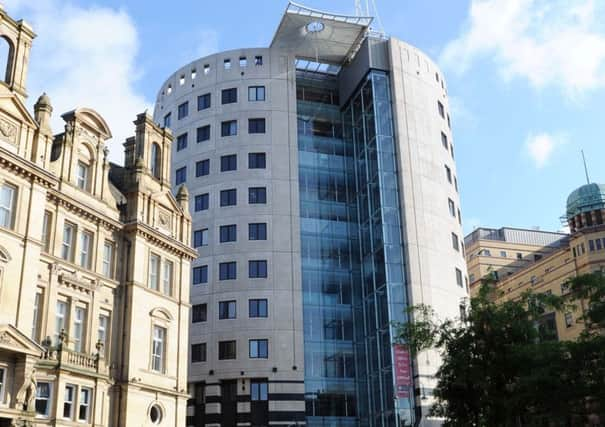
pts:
pixel 259 349
pixel 229 96
pixel 203 102
pixel 227 310
pixel 199 313
pixel 201 202
pixel 229 197
pixel 200 274
pixel 183 110
pixel 202 167
pixel 227 64
pixel 257 308
pixel 226 350
pixel 228 233
pixel 257 231
pixel 181 175
pixel 167 118
pixel 200 238
pixel 181 142
pixel 258 60
pixel 256 93
pixel 203 133
pixel 228 163
pixel 206 69
pixel 243 61
pixel 229 128
pixel 198 352
pixel 257 195
pixel 227 270
pixel 257 160
pixel 257 269
pixel 256 125
pixel 519 256
pixel 503 254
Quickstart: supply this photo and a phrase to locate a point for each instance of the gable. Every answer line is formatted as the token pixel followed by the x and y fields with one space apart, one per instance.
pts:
pixel 167 201
pixel 14 109
pixel 12 339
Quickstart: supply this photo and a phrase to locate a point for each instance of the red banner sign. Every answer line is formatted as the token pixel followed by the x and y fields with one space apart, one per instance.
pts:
pixel 403 371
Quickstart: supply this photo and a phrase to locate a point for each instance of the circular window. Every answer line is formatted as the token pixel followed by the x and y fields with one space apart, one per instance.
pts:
pixel 315 26
pixel 155 414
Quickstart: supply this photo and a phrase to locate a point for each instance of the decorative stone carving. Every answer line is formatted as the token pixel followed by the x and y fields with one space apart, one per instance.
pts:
pixel 27 392
pixel 8 131
pixel 6 339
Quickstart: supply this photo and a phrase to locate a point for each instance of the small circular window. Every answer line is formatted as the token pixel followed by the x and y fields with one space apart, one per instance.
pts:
pixel 155 414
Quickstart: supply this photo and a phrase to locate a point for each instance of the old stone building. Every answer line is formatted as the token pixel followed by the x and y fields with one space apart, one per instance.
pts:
pixel 94 266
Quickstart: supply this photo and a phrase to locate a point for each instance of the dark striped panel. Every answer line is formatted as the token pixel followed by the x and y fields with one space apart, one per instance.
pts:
pixel 287 416
pixel 286 396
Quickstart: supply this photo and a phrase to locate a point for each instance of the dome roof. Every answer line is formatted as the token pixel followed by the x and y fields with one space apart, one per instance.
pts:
pixel 586 198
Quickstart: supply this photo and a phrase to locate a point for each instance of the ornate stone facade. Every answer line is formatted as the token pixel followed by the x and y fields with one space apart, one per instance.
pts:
pixel 94 266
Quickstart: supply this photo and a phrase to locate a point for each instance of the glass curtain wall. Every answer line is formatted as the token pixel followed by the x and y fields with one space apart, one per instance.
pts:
pixel 381 297
pixel 329 242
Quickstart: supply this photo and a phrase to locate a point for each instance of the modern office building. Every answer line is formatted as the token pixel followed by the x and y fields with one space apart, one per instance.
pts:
pixel 521 260
pixel 94 266
pixel 325 201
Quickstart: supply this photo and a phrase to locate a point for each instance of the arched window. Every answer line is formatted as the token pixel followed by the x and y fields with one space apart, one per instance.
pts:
pixel 6 55
pixel 156 160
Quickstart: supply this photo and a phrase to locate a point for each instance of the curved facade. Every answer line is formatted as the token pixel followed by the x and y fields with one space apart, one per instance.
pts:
pixel 324 202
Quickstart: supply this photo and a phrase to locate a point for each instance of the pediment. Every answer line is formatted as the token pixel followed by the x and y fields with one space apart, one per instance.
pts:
pixel 12 339
pixel 13 113
pixel 167 201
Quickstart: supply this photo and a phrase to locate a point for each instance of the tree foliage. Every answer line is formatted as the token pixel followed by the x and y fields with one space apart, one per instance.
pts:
pixel 501 368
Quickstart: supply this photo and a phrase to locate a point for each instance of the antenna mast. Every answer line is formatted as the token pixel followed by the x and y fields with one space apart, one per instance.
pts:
pixel 585 167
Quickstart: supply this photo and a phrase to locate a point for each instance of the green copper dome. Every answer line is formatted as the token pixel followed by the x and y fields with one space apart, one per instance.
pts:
pixel 586 198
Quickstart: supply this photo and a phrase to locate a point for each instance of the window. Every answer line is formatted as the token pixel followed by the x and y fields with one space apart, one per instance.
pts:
pixel 156 161
pixel 35 324
pixel 228 233
pixel 227 270
pixel 78 329
pixel 85 249
pixel 519 256
pixel 202 167
pixel 46 224
pixel 256 125
pixel 227 310
pixel 60 315
pixel 257 269
pixel 441 109
pixel 452 207
pixel 200 238
pixel 568 320
pixel 84 406
pixel 243 61
pixel 452 150
pixel 229 128
pixel 154 272
pixel 199 313
pixel 167 278
pixel 448 174
pixel 538 257
pixel 228 163
pixel 226 350
pixel 257 161
pixel 449 124
pixel 459 281
pixel 82 176
pixel 599 244
pixel 258 390
pixel 167 118
pixel 67 247
pixel 229 197
pixel 198 352
pixel 229 96
pixel 444 141
pixel 200 274
pixel 455 243
pixel 181 175
pixel 201 202
pixel 591 245
pixel 203 133
pixel 68 401
pixel 203 102
pixel 503 254
pixel 102 332
pixel 258 60
pixel 256 93
pixel 259 349
pixel 181 142
pixel 108 259
pixel 158 348
pixel 206 69
pixel 183 110
pixel 456 184
pixel 227 64
pixel 257 231
pixel 43 390
pixel 257 195
pixel 7 205
pixel 257 308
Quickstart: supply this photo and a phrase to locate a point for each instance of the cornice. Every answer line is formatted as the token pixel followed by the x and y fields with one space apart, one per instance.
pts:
pixel 161 240
pixel 83 210
pixel 26 169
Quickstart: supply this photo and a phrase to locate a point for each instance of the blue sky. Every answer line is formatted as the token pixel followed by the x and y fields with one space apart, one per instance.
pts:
pixel 526 79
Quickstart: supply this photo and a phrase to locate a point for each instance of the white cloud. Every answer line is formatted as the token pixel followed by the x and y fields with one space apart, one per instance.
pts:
pixel 540 147
pixel 548 42
pixel 85 57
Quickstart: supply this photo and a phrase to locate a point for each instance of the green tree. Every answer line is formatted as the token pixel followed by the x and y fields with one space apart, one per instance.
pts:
pixel 502 368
